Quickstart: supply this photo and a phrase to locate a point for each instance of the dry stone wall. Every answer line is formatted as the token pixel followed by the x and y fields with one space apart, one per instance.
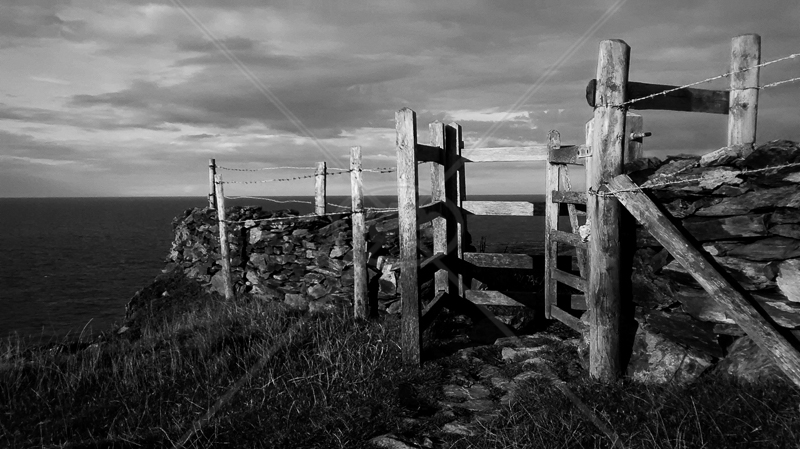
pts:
pixel 305 262
pixel 747 218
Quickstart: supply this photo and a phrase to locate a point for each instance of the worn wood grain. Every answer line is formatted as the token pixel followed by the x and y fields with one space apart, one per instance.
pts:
pixel 360 292
pixel 569 320
pixel 513 208
pixel 745 53
pixel 568 238
pixel 506 154
pixel 499 260
pixel 748 317
pixel 429 153
pixel 569 197
pixel 212 171
pixel 567 154
pixel 552 185
pixel 455 192
pixel 688 99
pixel 320 189
pixel 224 250
pixel 570 279
pixel 408 231
pixel 438 190
pixel 603 290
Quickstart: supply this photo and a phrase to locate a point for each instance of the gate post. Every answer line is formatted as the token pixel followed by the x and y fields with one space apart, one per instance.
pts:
pixel 603 295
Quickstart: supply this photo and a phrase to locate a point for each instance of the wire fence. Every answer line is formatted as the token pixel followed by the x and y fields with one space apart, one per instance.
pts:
pixel 724 75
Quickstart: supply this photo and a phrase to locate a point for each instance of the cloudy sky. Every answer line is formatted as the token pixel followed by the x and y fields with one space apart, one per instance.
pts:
pixel 131 98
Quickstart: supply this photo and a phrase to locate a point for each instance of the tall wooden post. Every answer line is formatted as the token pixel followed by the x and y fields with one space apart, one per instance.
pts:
pixel 455 193
pixel 407 202
pixel 551 183
pixel 605 162
pixel 743 105
pixel 224 252
pixel 360 299
pixel 440 224
pixel 212 171
pixel 320 189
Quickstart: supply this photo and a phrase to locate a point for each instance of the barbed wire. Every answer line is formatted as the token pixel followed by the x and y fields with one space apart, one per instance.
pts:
pixel 298 217
pixel 265 168
pixel 713 78
pixel 778 83
pixel 649 185
pixel 339 171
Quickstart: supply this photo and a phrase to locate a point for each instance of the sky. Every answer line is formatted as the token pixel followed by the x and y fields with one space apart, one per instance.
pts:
pixel 131 98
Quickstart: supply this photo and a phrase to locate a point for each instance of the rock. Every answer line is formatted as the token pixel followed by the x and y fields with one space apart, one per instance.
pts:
pixel 338 251
pixel 657 359
pixel 788 279
pixel 217 284
pixel 317 291
pixel 790 230
pixel 705 229
pixel 516 354
pixel 725 155
pixel 296 301
pixel 387 283
pixel 771 248
pixel 787 196
pixel 746 361
pixel 456 428
pixel 749 274
pixel 392 441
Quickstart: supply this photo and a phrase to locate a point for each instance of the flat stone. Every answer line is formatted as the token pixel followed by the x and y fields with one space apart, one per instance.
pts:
pixel 515 354
pixel 338 251
pixel 746 361
pixel 317 291
pixel 456 428
pixel 478 405
pixel 296 301
pixel 392 441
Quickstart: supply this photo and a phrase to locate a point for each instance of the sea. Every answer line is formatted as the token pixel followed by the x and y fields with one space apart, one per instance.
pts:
pixel 69 265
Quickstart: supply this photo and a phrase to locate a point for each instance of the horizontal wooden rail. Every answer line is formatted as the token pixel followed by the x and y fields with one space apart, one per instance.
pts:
pixel 570 279
pixel 495 298
pixel 428 212
pixel 568 154
pixel 568 238
pixel 506 154
pixel 687 99
pixel 513 208
pixel 499 260
pixel 427 153
pixel 569 197
pixel 569 320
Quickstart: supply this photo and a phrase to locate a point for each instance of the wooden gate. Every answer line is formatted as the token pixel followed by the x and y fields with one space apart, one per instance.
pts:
pixel 449 261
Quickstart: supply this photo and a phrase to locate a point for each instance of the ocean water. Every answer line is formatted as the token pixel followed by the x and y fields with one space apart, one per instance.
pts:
pixel 69 265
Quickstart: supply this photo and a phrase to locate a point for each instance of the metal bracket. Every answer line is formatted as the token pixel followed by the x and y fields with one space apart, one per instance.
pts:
pixel 584 151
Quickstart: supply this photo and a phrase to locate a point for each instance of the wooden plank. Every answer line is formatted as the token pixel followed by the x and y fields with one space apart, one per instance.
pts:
pixel 603 291
pixel 568 154
pixel 429 212
pixel 224 250
pixel 510 208
pixel 569 197
pixel 408 229
pixel 570 279
pixel 431 265
pixel 438 195
pixel 455 192
pixel 569 320
pixel 581 253
pixel 506 154
pixel 429 153
pixel 495 298
pixel 433 307
pixel 360 292
pixel 568 238
pixel 688 99
pixel 757 326
pixel 500 260
pixel 552 184
pixel 634 135
pixel 320 189
pixel 745 52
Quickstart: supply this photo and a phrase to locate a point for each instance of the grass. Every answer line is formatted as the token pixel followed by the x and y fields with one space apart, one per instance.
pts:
pixel 336 383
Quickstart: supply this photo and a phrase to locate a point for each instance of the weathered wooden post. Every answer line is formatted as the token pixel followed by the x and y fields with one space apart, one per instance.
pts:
pixel 551 183
pixel 605 162
pixel 212 171
pixel 360 299
pixel 440 224
pixel 407 202
pixel 455 195
pixel 224 252
pixel 320 189
pixel 743 105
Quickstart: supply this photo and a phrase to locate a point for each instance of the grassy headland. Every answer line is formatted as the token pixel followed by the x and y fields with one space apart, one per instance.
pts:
pixel 329 381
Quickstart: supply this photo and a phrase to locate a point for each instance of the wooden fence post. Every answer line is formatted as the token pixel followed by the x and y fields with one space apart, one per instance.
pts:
pixel 634 133
pixel 438 189
pixel 454 195
pixel 407 202
pixel 320 189
pixel 551 183
pixel 743 106
pixel 212 171
pixel 360 300
pixel 603 295
pixel 224 253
